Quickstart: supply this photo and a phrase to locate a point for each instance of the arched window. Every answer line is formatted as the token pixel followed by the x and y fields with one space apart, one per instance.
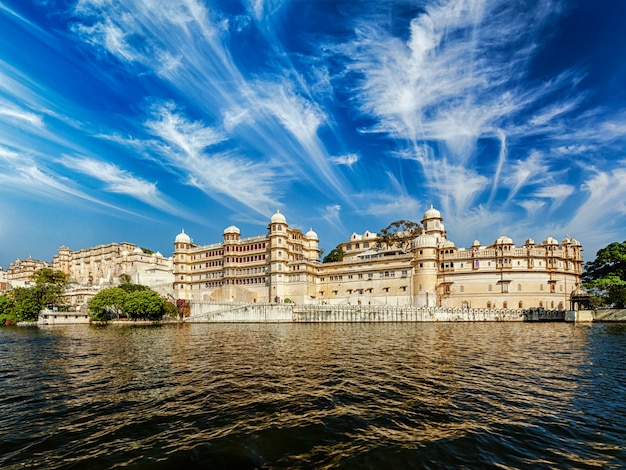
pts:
pixel 521 304
pixel 541 304
pixel 505 304
pixel 462 288
pixel 519 288
pixel 490 288
pixel 489 303
pixel 552 305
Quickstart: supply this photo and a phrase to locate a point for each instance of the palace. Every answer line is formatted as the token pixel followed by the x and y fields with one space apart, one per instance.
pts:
pixel 284 266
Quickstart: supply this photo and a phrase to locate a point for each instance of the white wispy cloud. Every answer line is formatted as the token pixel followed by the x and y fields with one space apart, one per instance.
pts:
pixel 120 181
pixel 348 159
pixel 186 144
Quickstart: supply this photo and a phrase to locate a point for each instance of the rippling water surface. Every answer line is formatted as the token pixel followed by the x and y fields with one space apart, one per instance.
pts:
pixel 473 395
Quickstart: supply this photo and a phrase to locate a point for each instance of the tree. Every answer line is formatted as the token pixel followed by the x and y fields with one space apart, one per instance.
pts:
pixel 106 302
pixel 336 254
pixel 49 276
pixel 28 302
pixel 124 279
pixel 7 310
pixel 605 277
pixel 144 304
pixel 399 234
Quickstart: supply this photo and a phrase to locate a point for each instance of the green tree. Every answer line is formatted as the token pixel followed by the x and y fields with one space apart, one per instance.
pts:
pixel 124 279
pixel 28 302
pixel 7 310
pixel 336 254
pixel 144 304
pixel 106 302
pixel 49 276
pixel 399 234
pixel 605 277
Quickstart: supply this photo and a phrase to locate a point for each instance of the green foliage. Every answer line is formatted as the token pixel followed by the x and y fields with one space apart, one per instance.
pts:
pixel 605 277
pixel 49 276
pixel 170 309
pixel 144 304
pixel 336 254
pixel 124 279
pixel 6 304
pixel 107 302
pixel 128 288
pixel 137 303
pixel 147 251
pixel 7 311
pixel 399 234
pixel 28 301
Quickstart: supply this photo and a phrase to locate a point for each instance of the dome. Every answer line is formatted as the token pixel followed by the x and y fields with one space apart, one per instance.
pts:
pixel 158 254
pixel 575 242
pixel 138 251
pixel 432 213
pixel 232 229
pixel 278 218
pixel 445 243
pixel 550 241
pixel 476 244
pixel 311 234
pixel 504 240
pixel 424 241
pixel 530 241
pixel 182 237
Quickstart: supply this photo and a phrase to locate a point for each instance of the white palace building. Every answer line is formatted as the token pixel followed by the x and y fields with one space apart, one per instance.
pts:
pixel 284 266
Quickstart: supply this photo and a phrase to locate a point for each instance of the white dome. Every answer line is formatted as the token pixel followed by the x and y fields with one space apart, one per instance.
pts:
pixel 550 241
pixel 138 251
pixel 504 240
pixel 432 213
pixel 278 218
pixel 424 241
pixel 232 229
pixel 311 234
pixel 445 243
pixel 476 243
pixel 182 237
pixel 158 254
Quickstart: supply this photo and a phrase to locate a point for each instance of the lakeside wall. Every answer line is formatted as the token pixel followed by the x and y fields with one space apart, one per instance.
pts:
pixel 291 313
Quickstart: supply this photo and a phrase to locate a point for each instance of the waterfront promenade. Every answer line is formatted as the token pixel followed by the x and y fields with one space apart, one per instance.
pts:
pixel 232 312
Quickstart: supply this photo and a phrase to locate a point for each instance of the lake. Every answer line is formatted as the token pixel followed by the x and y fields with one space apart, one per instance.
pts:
pixel 360 395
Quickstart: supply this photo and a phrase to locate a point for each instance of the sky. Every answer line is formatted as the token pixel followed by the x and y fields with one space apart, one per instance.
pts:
pixel 130 120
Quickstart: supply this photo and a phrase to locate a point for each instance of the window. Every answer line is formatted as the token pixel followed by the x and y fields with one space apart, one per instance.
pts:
pixel 505 304
pixel 461 288
pixel 488 304
pixel 519 288
pixel 490 288
pixel 521 304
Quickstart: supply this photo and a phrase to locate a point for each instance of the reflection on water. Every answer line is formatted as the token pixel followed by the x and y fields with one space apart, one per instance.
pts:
pixel 505 395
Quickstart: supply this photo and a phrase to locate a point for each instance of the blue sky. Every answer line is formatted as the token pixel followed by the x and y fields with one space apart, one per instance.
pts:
pixel 127 120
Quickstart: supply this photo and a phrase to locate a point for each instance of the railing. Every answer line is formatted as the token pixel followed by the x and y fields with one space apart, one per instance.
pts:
pixel 292 313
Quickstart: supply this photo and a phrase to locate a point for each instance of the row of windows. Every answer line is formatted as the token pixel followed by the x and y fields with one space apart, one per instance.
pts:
pixel 364 291
pixel 251 247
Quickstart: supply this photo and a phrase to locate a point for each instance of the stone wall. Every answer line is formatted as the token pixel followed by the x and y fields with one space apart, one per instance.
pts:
pixel 292 313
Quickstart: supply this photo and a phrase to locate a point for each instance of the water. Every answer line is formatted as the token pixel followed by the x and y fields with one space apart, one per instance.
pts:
pixel 447 395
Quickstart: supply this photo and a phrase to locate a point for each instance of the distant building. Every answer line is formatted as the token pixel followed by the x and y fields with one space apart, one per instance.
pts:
pixel 4 283
pixel 20 271
pixel 101 266
pixel 283 265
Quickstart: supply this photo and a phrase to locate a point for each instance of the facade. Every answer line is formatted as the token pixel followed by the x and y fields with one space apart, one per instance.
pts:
pixel 103 265
pixel 430 271
pixel 4 282
pixel 20 271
